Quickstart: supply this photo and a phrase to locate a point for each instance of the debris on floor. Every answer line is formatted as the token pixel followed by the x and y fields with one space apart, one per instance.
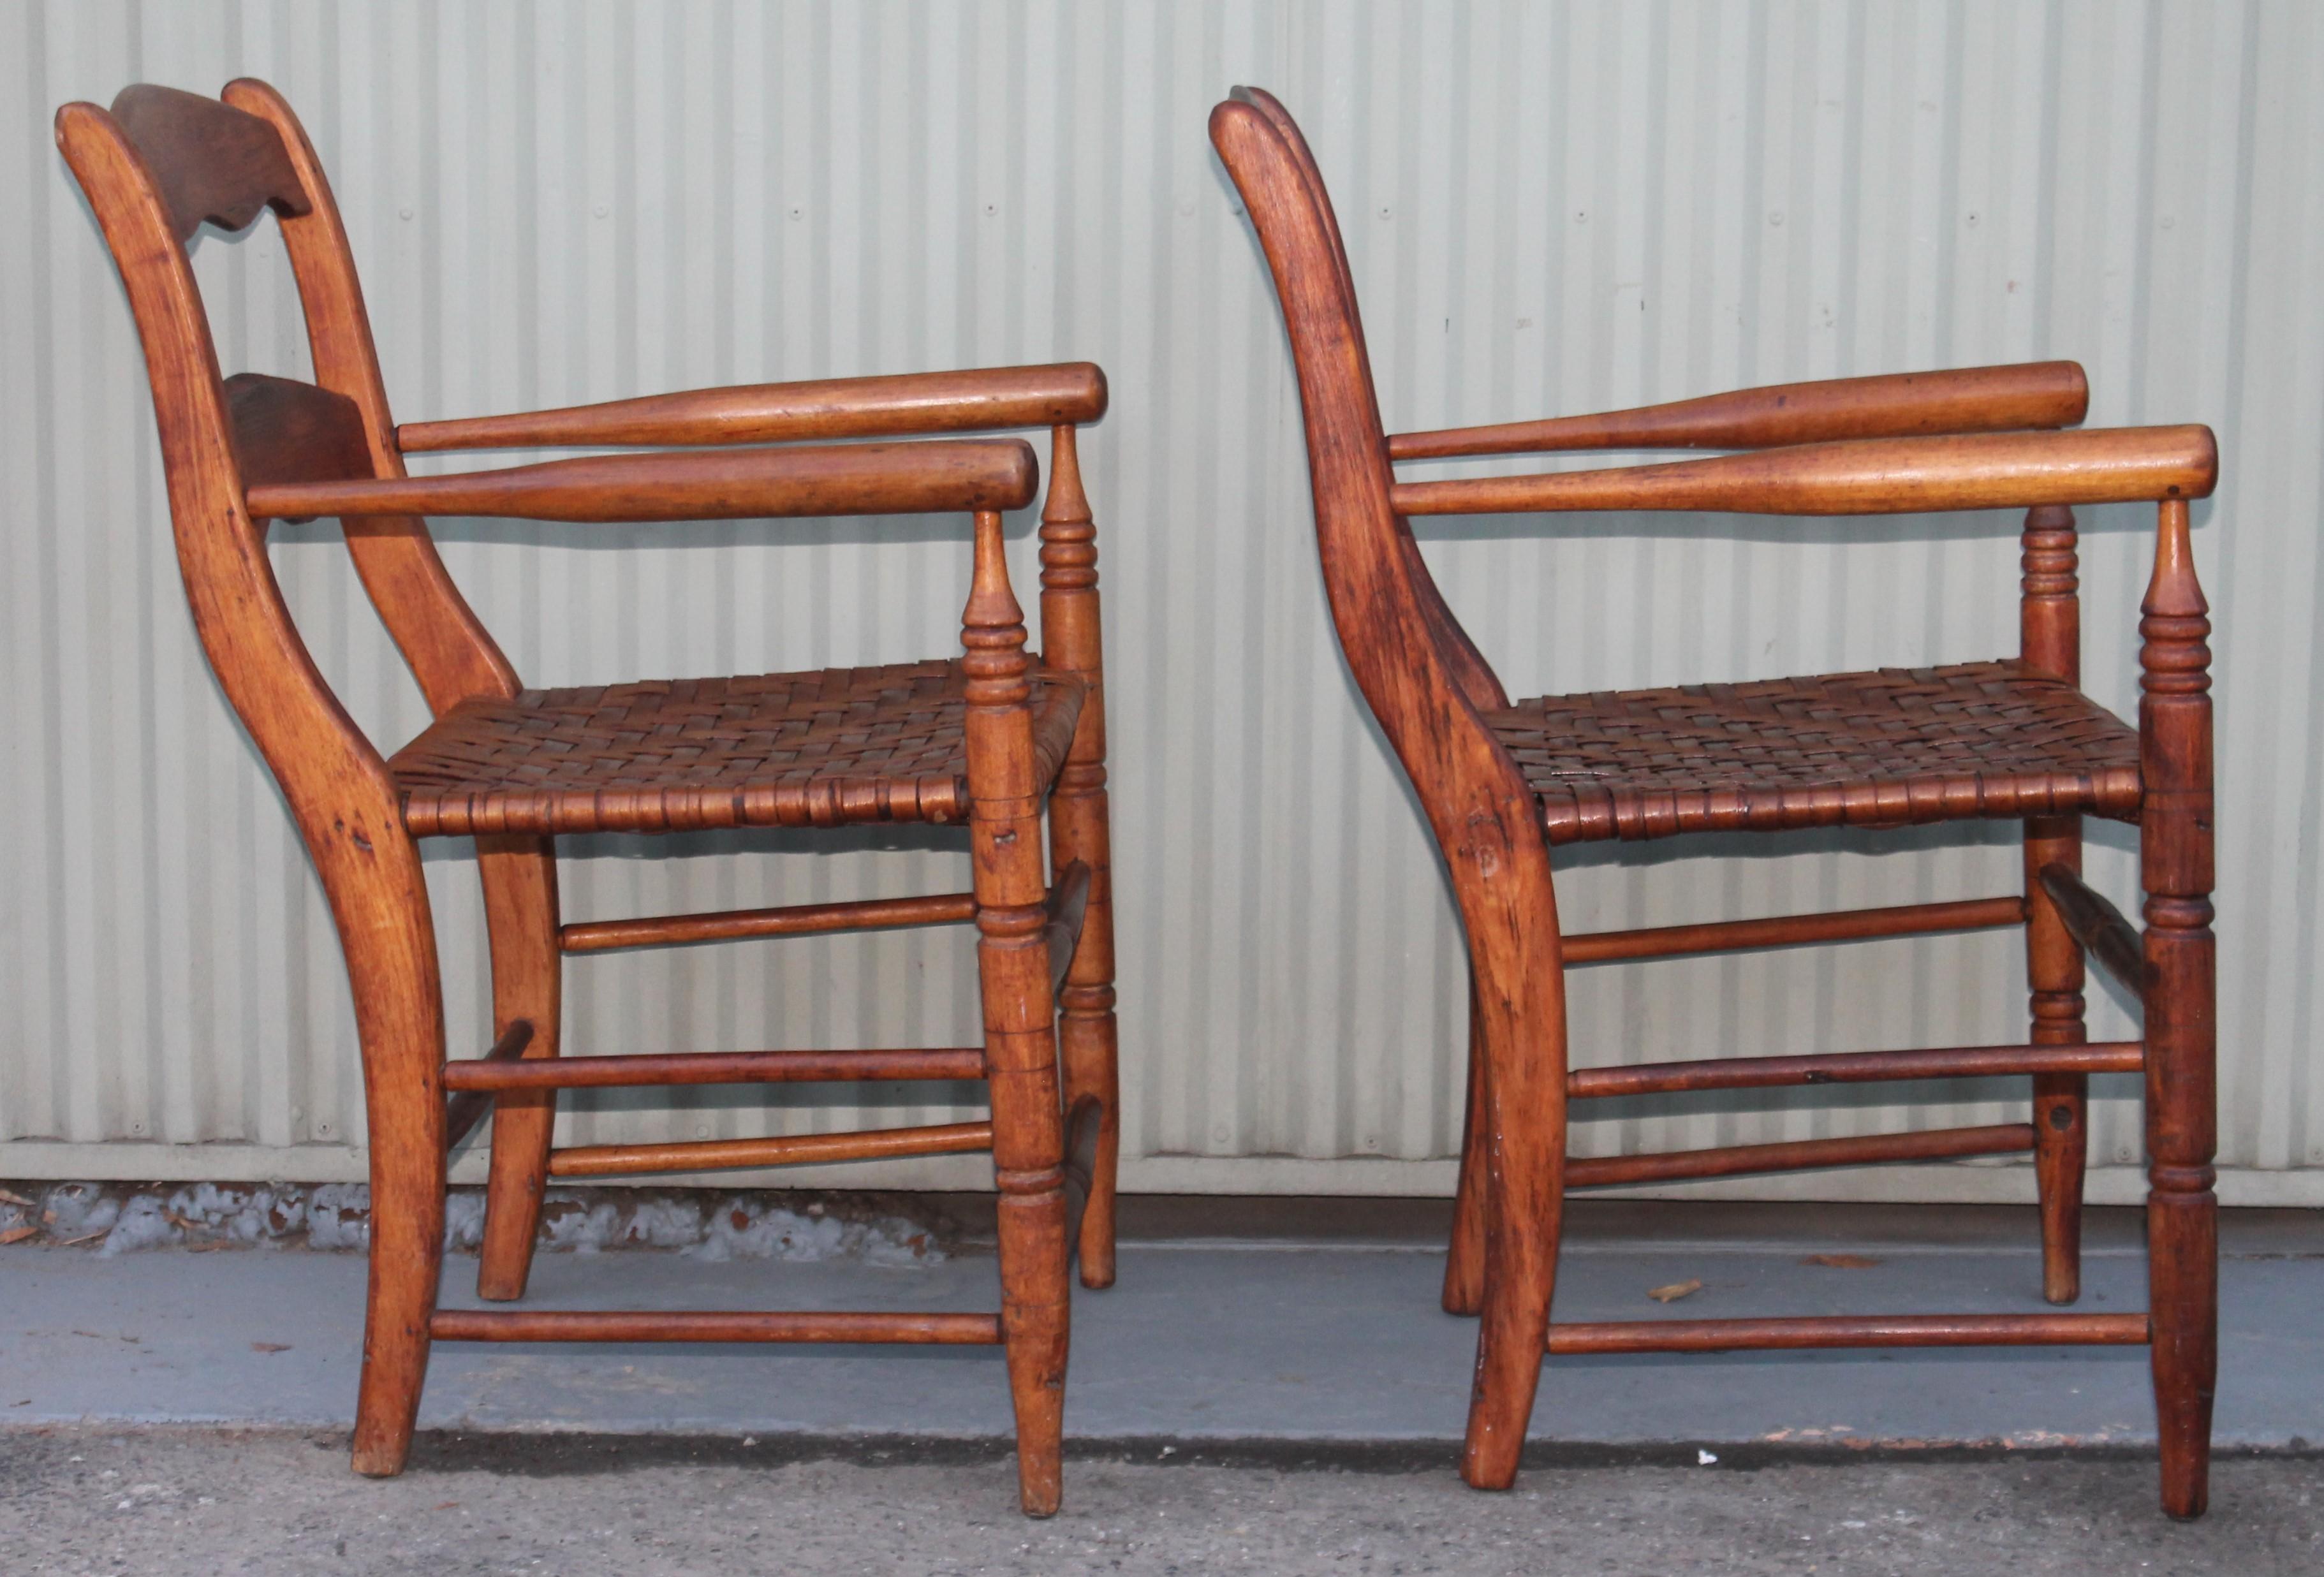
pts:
pixel 713 1225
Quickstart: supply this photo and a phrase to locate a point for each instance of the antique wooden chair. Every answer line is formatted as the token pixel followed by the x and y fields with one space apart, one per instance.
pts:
pixel 1502 784
pixel 990 738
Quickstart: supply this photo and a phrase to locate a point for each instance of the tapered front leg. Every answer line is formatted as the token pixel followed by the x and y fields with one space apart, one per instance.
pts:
pixel 2175 839
pixel 1019 1019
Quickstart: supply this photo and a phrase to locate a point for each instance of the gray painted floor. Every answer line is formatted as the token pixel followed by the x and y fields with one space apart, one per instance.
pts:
pixel 1209 1338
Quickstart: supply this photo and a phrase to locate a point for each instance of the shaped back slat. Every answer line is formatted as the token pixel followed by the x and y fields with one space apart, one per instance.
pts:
pixel 288 432
pixel 209 162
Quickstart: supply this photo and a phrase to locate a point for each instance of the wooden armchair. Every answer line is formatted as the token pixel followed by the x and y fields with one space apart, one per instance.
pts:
pixel 1503 784
pixel 996 738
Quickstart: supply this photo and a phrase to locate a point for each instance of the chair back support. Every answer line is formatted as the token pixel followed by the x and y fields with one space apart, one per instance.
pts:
pixel 157 167
pixel 207 159
pixel 1422 679
pixel 1473 673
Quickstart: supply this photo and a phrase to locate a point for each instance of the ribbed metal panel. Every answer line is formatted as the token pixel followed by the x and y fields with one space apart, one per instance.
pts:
pixel 1550 207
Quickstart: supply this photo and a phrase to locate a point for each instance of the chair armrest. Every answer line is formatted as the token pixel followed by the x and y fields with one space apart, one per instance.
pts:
pixel 1869 476
pixel 840 479
pixel 1068 394
pixel 2038 394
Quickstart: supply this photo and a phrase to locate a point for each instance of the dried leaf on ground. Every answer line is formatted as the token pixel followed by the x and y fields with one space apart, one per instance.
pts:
pixel 9 1196
pixel 1674 1291
pixel 17 1234
pixel 269 1347
pixel 1842 1261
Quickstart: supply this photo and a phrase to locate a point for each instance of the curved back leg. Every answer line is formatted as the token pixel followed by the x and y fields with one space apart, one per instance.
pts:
pixel 380 902
pixel 520 879
pixel 1464 1259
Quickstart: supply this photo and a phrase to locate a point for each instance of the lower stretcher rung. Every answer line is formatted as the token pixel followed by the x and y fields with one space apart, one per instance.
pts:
pixel 777 1150
pixel 710 1325
pixel 1792 1154
pixel 1850 1330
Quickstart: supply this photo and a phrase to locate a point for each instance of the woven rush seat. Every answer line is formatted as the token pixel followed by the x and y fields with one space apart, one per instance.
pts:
pixel 823 749
pixel 1877 749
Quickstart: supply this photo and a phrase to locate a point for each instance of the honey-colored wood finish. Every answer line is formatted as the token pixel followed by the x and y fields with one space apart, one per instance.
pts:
pixel 713 1326
pixel 714 1068
pixel 709 1155
pixel 840 408
pixel 1010 742
pixel 1912 919
pixel 1849 1330
pixel 1830 1067
pixel 804 919
pixel 1891 405
pixel 1501 784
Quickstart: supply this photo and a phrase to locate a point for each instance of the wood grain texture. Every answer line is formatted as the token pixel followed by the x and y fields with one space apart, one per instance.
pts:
pixel 842 479
pixel 2012 738
pixel 713 1326
pixel 1853 1068
pixel 209 163
pixel 982 400
pixel 288 431
pixel 1423 688
pixel 1911 919
pixel 2037 394
pixel 469 1104
pixel 714 1068
pixel 1797 1155
pixel 1848 1331
pixel 1869 476
pixel 1080 819
pixel 2096 928
pixel 333 782
pixel 808 919
pixel 332 448
pixel 1020 1014
pixel 2181 996
pixel 2049 643
pixel 949 1139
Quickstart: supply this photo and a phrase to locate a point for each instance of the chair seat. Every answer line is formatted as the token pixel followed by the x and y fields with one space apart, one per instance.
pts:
pixel 824 749
pixel 1878 749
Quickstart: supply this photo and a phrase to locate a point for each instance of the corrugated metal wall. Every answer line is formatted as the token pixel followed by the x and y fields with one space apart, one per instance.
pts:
pixel 1551 207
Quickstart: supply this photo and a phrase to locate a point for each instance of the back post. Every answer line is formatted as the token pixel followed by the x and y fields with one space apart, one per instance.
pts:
pixel 2049 643
pixel 1070 643
pixel 454 657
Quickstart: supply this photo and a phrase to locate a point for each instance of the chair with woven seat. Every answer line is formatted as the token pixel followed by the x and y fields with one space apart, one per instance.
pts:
pixel 1005 743
pixel 1502 784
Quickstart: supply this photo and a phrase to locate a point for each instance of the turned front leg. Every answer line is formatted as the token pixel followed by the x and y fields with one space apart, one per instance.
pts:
pixel 2175 837
pixel 1020 1048
pixel 2051 644
pixel 1080 830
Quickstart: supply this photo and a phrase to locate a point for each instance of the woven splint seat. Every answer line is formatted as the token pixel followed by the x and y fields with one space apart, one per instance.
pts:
pixel 1877 749
pixel 822 749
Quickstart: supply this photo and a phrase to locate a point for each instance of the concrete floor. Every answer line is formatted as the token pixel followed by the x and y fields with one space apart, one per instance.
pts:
pixel 273 1505
pixel 1282 1384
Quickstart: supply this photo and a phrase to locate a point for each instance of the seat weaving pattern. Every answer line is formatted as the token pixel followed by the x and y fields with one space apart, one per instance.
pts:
pixel 824 749
pixel 1878 749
